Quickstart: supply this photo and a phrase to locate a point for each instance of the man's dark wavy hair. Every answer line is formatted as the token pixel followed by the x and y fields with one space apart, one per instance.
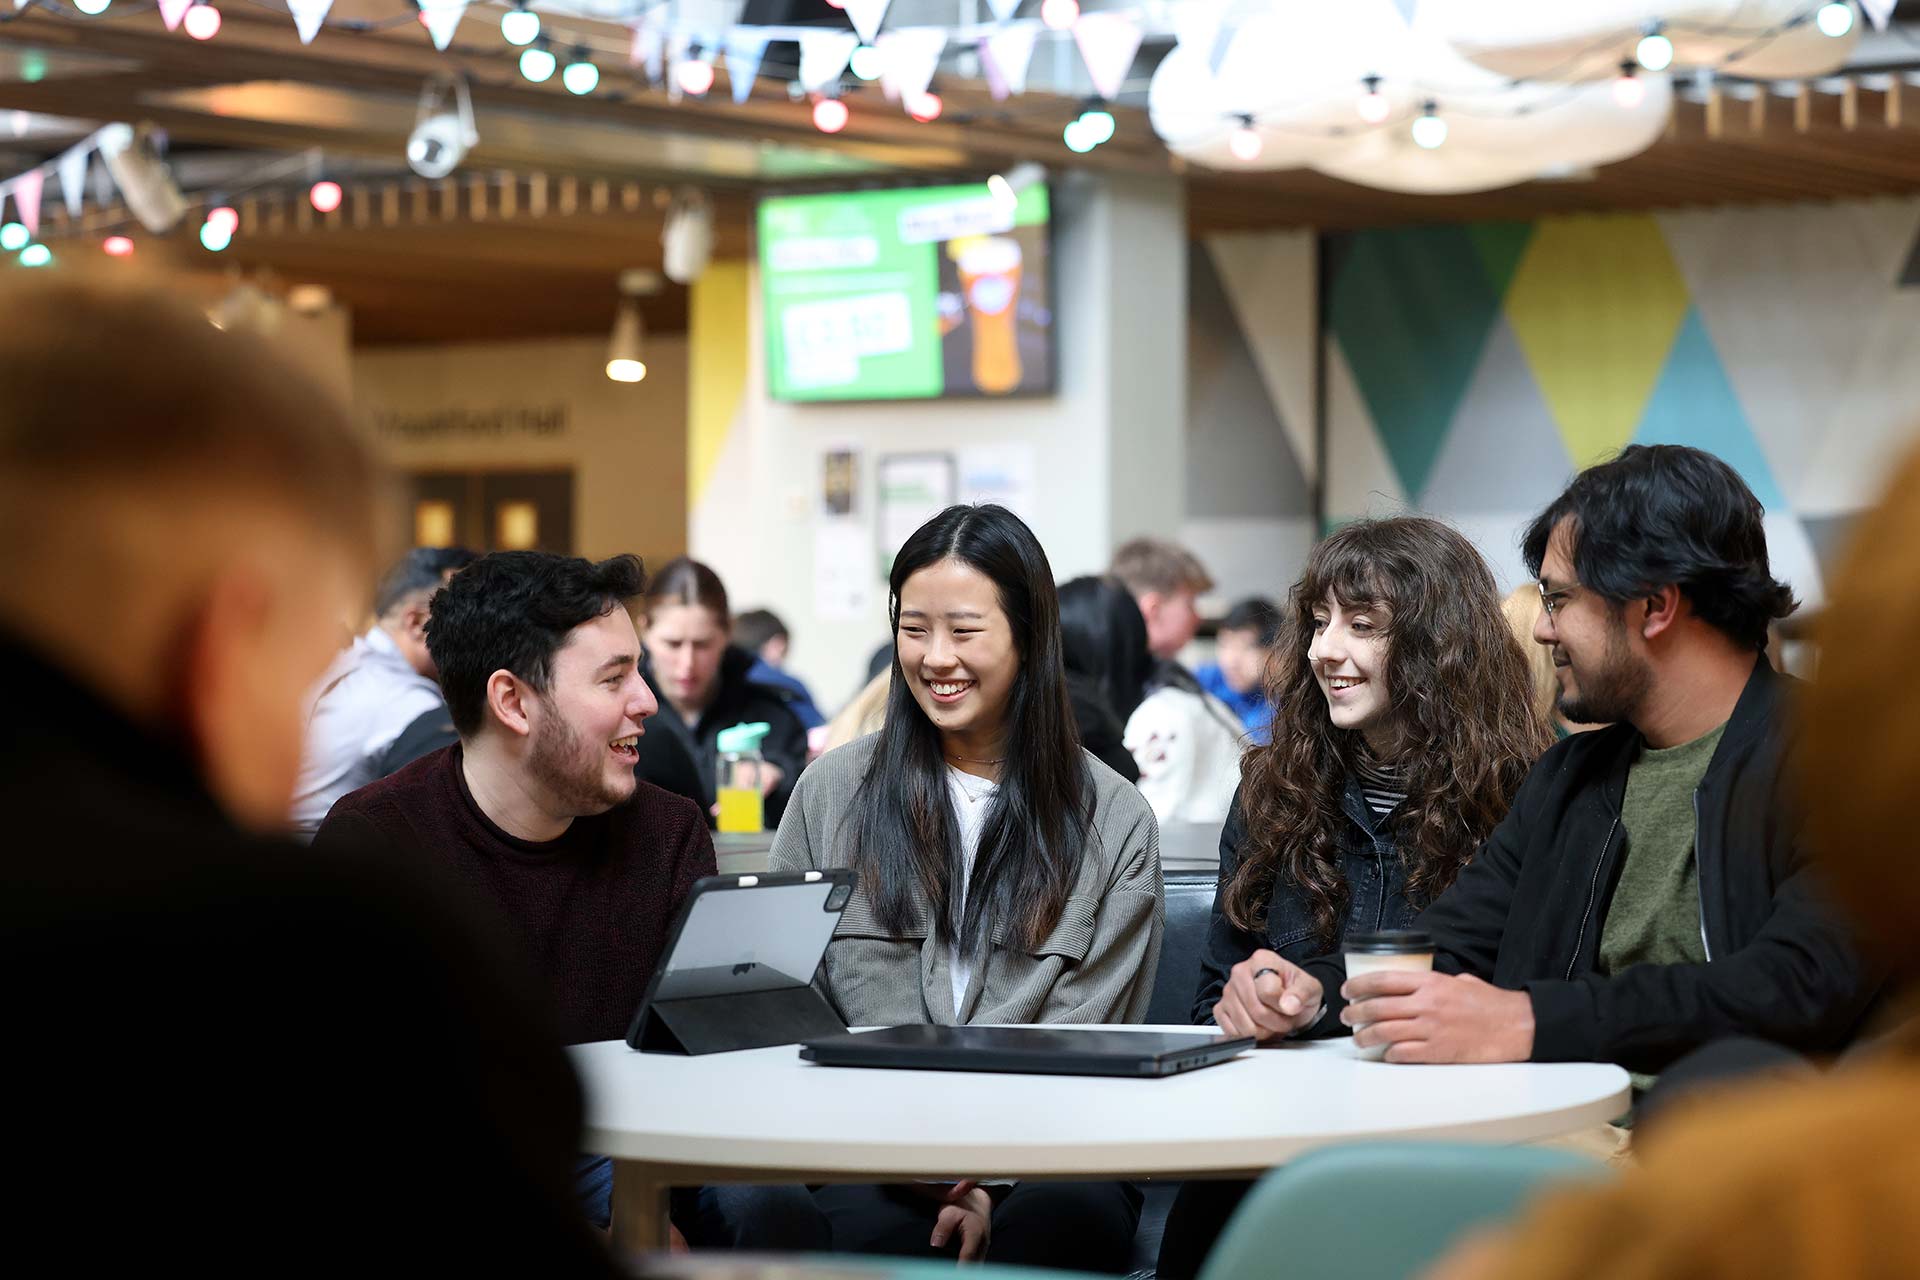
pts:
pixel 1666 514
pixel 511 611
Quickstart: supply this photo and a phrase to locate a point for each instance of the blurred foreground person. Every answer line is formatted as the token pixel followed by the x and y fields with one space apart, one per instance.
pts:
pixel 1791 1178
pixel 235 1056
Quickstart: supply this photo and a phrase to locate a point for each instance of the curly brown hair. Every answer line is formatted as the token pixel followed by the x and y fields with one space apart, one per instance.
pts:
pixel 1459 688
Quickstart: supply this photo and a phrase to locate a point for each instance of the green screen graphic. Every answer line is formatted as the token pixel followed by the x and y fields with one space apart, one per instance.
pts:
pixel 907 294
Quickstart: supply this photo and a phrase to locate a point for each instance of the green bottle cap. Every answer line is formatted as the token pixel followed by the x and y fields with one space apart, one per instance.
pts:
pixel 742 737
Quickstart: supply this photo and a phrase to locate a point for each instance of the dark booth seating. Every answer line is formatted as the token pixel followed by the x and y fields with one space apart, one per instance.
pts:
pixel 1189 898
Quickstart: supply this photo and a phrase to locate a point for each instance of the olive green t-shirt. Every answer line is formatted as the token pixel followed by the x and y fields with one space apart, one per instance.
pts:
pixel 1655 914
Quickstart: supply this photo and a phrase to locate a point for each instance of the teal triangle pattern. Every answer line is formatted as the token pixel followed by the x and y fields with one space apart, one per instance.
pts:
pixel 1500 246
pixel 1411 309
pixel 1693 403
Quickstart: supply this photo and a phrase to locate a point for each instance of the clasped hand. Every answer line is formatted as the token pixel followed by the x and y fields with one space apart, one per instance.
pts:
pixel 1267 998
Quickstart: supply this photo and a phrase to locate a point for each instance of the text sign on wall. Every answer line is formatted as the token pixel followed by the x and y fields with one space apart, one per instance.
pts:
pixel 473 424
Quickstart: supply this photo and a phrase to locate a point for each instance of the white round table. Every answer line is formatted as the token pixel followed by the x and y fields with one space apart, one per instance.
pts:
pixel 765 1116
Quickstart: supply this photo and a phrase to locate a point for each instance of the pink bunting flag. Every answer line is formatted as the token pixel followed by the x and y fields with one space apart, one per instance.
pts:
pixel 171 11
pixel 1107 43
pixel 1005 57
pixel 27 189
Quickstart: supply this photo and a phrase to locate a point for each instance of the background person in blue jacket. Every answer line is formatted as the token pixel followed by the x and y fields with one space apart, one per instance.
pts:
pixel 1238 674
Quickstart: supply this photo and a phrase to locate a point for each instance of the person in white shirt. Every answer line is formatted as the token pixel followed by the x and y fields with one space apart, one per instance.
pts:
pixel 380 685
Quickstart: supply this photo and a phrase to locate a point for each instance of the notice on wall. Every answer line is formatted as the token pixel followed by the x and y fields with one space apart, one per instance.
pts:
pixel 1002 473
pixel 842 571
pixel 912 488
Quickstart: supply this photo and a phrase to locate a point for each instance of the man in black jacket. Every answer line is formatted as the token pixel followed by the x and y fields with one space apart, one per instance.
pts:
pixel 1649 891
pixel 230 1055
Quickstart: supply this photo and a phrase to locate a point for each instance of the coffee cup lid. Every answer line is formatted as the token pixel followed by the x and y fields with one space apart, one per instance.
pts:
pixel 1389 942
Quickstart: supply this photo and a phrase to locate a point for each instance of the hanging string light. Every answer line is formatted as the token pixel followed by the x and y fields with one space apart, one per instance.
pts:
pixel 1099 124
pixel 1655 51
pixel 581 77
pixel 694 76
pixel 1629 90
pixel 925 107
pixel 1373 105
pixel 202 22
pixel 537 63
pixel 1430 131
pixel 93 9
pixel 1244 141
pixel 830 115
pixel 868 62
pixel 14 237
pixel 1833 19
pixel 35 255
pixel 520 25
pixel 117 246
pixel 325 195
pixel 1060 14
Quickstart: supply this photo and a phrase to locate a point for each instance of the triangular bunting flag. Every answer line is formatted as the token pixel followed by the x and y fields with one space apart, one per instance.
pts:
pixel 1003 9
pixel 1107 43
pixel 72 168
pixel 1879 11
pixel 171 11
pixel 648 50
pixel 823 56
pixel 26 197
pixel 746 46
pixel 1005 56
pixel 865 15
pixel 442 17
pixel 307 17
pixel 912 55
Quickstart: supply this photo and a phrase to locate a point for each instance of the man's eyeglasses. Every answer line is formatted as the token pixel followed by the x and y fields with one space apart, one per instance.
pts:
pixel 1552 600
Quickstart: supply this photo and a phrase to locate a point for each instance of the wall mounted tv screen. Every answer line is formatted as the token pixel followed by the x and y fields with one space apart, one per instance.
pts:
pixel 907 294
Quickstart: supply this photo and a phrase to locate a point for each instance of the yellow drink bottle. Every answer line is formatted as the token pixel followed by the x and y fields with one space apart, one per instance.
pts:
pixel 737 780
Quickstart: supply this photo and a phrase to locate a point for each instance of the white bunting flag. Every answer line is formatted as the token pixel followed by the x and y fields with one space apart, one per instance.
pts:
pixel 866 16
pixel 1879 11
pixel 746 46
pixel 72 169
pixel 26 197
pixel 1005 57
pixel 1107 43
pixel 307 17
pixel 1003 9
pixel 911 54
pixel 443 16
pixel 171 11
pixel 648 50
pixel 823 56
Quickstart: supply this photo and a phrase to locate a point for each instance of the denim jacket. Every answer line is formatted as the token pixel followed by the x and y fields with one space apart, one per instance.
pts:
pixel 1376 899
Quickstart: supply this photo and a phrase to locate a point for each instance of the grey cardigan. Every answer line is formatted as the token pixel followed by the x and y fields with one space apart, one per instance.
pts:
pixel 1097 965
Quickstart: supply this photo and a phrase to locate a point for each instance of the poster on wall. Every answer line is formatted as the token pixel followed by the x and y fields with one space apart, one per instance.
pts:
pixel 1002 473
pixel 842 553
pixel 912 488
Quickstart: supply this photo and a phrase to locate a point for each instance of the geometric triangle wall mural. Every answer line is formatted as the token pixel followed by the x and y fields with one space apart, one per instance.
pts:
pixel 1694 404
pixel 1500 246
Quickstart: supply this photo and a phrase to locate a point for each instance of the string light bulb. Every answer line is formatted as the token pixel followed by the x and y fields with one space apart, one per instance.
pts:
pixel 1098 124
pixel 14 237
pixel 202 22
pixel 581 77
pixel 93 9
pixel 868 62
pixel 215 236
pixel 537 63
pixel 1833 19
pixel 694 76
pixel 925 107
pixel 226 216
pixel 520 25
pixel 1060 14
pixel 830 115
pixel 1244 142
pixel 1075 136
pixel 1655 51
pixel 1429 131
pixel 35 255
pixel 1372 105
pixel 117 247
pixel 325 195
pixel 1629 90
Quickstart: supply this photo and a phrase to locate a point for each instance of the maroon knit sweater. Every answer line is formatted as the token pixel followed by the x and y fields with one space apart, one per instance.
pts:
pixel 591 909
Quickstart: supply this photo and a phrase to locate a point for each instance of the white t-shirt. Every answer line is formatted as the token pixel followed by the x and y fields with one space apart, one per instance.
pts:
pixel 972 797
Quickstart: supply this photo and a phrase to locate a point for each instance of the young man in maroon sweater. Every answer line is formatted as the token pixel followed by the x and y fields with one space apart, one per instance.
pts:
pixel 536 813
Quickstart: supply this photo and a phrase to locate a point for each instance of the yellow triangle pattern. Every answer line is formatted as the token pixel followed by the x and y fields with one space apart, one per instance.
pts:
pixel 717 363
pixel 1596 305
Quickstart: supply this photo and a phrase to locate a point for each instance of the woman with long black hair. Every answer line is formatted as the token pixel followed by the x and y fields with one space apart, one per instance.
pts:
pixel 1003 876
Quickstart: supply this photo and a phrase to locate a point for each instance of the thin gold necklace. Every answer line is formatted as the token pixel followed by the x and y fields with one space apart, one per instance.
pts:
pixel 972 760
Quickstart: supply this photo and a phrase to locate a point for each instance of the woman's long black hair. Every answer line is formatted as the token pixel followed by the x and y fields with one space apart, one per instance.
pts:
pixel 1040 822
pixel 1105 639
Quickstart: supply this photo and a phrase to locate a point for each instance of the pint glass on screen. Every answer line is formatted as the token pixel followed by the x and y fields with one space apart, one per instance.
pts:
pixel 990 280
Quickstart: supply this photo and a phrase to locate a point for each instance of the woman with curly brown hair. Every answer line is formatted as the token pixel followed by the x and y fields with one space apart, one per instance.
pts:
pixel 1404 725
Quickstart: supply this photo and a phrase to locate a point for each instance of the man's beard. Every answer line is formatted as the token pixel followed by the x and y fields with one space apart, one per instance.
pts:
pixel 571 769
pixel 1612 693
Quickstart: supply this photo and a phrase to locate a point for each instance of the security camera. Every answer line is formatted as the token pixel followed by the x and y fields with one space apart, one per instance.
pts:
pixel 133 158
pixel 445 131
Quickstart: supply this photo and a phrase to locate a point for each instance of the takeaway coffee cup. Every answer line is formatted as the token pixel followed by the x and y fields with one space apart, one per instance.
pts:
pixel 1388 949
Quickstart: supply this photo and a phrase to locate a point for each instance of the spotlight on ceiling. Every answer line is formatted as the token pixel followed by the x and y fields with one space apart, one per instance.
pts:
pixel 444 129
